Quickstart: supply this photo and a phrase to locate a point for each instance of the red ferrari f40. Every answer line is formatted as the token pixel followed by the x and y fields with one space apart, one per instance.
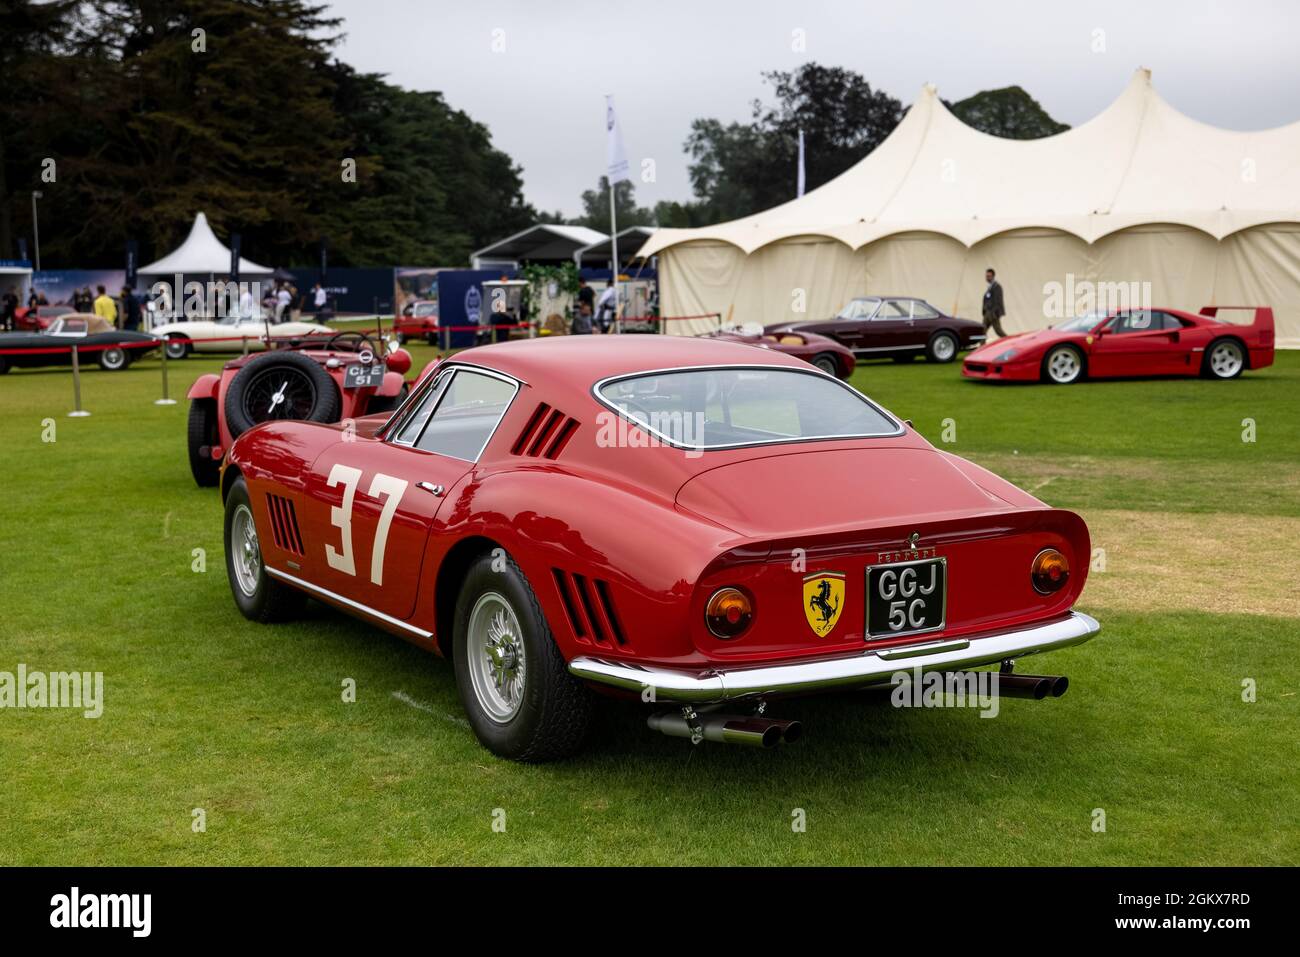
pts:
pixel 1130 342
pixel 700 524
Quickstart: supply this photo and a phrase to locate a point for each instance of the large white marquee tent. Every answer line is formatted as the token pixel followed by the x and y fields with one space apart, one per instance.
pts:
pixel 1140 193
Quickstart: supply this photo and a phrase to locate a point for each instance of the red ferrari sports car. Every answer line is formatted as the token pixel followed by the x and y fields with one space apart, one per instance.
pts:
pixel 339 380
pixel 1138 342
pixel 691 522
pixel 824 353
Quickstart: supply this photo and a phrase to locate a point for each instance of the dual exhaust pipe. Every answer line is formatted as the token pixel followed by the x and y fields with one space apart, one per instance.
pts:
pixel 750 730
pixel 758 732
pixel 1034 687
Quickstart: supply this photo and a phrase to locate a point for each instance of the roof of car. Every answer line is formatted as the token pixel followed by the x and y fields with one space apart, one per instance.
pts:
pixel 582 360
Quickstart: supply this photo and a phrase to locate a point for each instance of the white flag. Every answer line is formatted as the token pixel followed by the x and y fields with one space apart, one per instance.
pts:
pixel 799 188
pixel 616 167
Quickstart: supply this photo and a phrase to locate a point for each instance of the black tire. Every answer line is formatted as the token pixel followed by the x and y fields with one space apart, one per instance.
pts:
pixel 942 347
pixel 1212 366
pixel 269 600
pixel 1055 372
pixel 113 359
pixel 178 346
pixel 202 434
pixel 430 338
pixel 827 363
pixel 555 712
pixel 401 338
pixel 318 396
pixel 387 403
pixel 4 364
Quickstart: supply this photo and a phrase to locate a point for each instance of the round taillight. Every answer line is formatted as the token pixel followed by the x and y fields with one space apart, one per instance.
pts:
pixel 1050 571
pixel 729 612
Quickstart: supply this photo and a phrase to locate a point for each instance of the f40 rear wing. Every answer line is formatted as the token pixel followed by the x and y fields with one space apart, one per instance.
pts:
pixel 1263 314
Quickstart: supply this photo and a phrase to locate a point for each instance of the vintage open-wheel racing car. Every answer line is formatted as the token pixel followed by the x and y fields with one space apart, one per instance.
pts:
pixel 345 377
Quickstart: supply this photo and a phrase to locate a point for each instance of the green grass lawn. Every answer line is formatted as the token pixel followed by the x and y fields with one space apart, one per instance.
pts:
pixel 206 710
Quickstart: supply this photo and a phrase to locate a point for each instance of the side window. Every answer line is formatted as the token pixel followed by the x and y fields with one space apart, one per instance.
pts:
pixel 466 415
pixel 412 424
pixel 892 309
pixel 923 310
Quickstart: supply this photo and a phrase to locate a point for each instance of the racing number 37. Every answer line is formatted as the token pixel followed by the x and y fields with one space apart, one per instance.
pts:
pixel 392 489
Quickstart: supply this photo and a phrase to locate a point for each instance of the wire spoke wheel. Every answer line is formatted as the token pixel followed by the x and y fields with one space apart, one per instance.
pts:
pixel 246 555
pixel 498 667
pixel 279 393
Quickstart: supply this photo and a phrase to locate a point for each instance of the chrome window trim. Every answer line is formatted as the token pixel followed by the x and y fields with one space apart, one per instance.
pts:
pixel 453 365
pixel 785 440
pixel 456 369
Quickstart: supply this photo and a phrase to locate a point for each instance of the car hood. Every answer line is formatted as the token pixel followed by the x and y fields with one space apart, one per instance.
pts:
pixel 807 492
pixel 1023 342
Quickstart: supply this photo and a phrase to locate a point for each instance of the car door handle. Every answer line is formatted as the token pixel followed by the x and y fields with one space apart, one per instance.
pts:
pixel 430 487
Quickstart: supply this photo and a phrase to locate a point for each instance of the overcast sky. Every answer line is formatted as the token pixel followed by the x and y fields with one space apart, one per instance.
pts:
pixel 669 61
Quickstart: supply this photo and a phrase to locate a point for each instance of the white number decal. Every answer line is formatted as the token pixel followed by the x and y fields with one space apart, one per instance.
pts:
pixel 341 517
pixel 392 489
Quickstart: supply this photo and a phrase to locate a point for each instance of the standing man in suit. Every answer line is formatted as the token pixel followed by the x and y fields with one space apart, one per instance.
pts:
pixel 994 310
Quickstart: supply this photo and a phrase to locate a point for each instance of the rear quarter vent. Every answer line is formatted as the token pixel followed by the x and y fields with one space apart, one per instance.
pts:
pixel 545 434
pixel 589 608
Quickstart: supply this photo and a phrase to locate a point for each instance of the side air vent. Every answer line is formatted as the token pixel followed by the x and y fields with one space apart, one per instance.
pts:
pixel 284 524
pixel 545 434
pixel 589 607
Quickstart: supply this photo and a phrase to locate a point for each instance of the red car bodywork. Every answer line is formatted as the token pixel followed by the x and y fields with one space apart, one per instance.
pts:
pixel 624 543
pixel 1177 348
pixel 820 351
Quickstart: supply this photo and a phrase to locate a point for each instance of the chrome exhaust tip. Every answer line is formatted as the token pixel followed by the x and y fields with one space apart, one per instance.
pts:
pixel 748 730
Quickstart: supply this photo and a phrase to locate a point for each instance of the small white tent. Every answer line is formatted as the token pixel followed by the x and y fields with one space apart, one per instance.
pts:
pixel 202 253
pixel 1140 193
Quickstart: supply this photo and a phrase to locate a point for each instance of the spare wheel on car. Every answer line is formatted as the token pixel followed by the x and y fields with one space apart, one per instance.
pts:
pixel 281 385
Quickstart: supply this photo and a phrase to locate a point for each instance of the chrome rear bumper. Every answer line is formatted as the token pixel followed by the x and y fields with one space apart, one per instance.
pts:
pixel 865 668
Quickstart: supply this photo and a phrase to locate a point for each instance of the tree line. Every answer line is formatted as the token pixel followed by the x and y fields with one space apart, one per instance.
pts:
pixel 131 115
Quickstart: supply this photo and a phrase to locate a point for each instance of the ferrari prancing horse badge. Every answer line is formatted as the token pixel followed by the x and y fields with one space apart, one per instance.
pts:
pixel 823 600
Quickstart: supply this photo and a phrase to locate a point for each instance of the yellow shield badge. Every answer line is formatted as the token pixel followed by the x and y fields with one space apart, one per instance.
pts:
pixel 823 600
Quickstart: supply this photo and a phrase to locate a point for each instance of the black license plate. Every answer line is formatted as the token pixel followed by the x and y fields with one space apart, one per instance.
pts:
pixel 360 376
pixel 906 598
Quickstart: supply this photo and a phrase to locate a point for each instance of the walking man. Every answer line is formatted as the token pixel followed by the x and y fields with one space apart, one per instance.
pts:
pixel 994 310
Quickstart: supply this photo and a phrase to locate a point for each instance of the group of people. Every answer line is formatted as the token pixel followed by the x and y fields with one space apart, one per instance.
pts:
pixel 124 312
pixel 592 312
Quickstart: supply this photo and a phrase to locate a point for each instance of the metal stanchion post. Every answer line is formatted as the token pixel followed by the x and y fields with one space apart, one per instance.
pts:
pixel 245 340
pixel 446 338
pixel 77 410
pixel 165 400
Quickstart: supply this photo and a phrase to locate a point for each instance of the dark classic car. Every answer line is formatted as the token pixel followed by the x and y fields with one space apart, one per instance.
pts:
pixel 897 327
pixel 824 353
pixel 96 340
